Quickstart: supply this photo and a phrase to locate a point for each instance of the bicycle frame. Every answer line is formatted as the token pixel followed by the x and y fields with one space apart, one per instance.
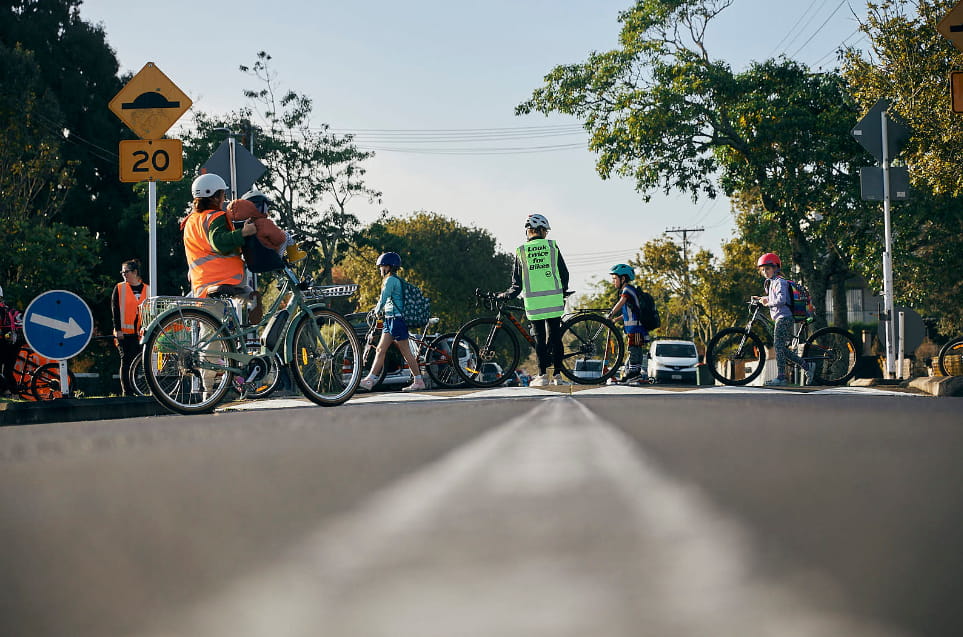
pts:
pixel 757 316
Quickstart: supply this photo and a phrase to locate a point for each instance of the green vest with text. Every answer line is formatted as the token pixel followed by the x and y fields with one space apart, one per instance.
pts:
pixel 541 286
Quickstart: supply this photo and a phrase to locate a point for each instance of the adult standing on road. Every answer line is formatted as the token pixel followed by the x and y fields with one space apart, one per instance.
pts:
pixel 125 302
pixel 9 346
pixel 212 245
pixel 540 275
pixel 778 299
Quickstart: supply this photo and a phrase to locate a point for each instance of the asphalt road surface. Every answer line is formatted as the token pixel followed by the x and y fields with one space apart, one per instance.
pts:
pixel 513 512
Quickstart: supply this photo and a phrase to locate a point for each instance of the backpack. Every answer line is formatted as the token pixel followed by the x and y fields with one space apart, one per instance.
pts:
pixel 648 313
pixel 416 308
pixel 800 303
pixel 258 257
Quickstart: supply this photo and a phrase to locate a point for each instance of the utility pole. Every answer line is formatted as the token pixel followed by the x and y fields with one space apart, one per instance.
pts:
pixel 686 316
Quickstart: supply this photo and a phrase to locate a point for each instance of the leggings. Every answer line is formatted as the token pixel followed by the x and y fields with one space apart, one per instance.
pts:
pixel 781 334
pixel 549 352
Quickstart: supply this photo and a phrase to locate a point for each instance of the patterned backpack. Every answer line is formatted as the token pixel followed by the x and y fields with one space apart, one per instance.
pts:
pixel 801 303
pixel 416 307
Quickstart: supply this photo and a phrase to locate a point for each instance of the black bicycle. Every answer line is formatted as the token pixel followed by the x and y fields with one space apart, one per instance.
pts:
pixel 490 349
pixel 737 355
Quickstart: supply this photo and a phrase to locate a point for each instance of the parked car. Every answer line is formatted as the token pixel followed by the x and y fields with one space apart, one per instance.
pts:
pixel 587 369
pixel 489 372
pixel 673 361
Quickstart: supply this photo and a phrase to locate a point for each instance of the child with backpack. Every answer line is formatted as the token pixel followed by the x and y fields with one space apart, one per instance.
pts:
pixel 638 314
pixel 779 300
pixel 395 328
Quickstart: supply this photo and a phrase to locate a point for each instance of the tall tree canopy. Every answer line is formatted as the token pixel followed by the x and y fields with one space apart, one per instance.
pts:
pixel 663 112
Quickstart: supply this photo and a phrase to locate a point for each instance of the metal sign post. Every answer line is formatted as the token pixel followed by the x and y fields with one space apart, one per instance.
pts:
pixel 887 257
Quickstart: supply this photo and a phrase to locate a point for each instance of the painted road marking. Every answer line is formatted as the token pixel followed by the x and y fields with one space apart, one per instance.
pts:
pixel 555 524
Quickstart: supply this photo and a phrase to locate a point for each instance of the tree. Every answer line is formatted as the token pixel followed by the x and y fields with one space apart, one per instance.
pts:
pixel 661 111
pixel 313 173
pixel 447 260
pixel 908 62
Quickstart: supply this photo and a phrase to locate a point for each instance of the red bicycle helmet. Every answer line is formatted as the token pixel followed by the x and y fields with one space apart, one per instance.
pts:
pixel 770 258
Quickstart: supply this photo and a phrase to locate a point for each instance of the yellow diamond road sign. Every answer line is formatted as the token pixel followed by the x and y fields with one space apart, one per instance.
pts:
pixel 951 26
pixel 150 103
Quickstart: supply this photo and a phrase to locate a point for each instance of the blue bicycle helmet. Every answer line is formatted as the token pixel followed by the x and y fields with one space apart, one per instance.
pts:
pixel 622 269
pixel 390 258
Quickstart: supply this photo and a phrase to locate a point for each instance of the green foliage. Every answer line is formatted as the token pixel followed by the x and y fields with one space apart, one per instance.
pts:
pixel 908 63
pixel 447 260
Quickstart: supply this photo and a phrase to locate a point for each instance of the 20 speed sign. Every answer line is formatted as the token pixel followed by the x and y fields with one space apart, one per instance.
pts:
pixel 151 160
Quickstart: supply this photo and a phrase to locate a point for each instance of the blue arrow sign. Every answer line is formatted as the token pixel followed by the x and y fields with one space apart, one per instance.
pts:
pixel 58 324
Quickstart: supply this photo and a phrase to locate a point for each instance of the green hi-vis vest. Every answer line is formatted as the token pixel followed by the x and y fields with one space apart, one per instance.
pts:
pixel 541 286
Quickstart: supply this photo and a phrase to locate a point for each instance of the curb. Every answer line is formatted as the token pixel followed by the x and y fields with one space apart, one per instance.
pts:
pixel 76 409
pixel 938 385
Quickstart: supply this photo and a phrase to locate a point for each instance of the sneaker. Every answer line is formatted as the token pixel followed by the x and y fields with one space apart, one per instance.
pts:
pixel 417 385
pixel 367 383
pixel 558 380
pixel 631 375
pixel 809 374
pixel 776 382
pixel 539 381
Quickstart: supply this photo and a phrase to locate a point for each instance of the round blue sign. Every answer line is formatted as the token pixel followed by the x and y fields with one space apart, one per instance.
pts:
pixel 58 324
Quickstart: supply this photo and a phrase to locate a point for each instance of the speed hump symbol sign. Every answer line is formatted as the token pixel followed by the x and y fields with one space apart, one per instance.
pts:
pixel 151 160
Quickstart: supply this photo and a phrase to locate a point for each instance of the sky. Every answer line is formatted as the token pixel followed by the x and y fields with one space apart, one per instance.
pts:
pixel 431 86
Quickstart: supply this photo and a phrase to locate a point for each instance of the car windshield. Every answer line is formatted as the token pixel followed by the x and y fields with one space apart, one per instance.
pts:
pixel 675 350
pixel 588 366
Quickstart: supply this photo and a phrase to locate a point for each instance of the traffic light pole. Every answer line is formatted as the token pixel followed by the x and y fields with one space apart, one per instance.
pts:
pixel 888 261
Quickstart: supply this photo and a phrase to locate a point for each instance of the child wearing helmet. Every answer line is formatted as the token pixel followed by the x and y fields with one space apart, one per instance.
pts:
pixel 395 329
pixel 254 205
pixel 778 299
pixel 540 274
pixel 627 308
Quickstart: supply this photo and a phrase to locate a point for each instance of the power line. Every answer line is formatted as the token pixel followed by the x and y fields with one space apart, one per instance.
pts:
pixel 792 29
pixel 825 22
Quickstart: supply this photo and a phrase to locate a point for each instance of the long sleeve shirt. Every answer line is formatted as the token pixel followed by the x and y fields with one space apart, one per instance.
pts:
pixel 779 297
pixel 391 298
pixel 516 287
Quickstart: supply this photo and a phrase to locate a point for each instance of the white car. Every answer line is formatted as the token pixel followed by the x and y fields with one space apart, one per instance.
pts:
pixel 673 361
pixel 588 369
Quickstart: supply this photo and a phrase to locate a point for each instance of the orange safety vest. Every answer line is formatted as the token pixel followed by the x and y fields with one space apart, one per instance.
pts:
pixel 130 304
pixel 207 267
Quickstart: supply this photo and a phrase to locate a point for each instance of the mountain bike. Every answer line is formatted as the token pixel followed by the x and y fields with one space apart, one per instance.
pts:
pixel 433 351
pixel 950 361
pixel 491 346
pixel 195 349
pixel 737 355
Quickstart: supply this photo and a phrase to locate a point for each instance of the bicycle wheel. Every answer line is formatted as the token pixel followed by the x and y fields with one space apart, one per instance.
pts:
pixel 45 384
pixel 321 347
pixel 440 362
pixel 184 362
pixel 950 361
pixel 592 349
pixel 494 349
pixel 137 377
pixel 269 382
pixel 735 356
pixel 834 351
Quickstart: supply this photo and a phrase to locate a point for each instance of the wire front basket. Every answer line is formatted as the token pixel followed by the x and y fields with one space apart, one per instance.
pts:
pixel 317 292
pixel 157 305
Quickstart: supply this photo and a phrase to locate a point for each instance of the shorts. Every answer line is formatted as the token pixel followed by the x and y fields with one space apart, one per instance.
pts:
pixel 636 339
pixel 396 326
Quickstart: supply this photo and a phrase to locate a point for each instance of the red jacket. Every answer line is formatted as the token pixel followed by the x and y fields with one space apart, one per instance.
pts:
pixel 268 233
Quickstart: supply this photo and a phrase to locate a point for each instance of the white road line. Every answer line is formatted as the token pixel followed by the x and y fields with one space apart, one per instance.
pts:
pixel 552 525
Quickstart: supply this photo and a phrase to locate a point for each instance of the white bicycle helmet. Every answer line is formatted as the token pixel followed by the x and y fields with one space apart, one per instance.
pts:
pixel 207 185
pixel 536 222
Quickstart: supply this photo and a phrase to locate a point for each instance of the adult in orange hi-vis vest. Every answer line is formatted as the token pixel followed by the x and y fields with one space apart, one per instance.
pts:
pixel 125 302
pixel 212 245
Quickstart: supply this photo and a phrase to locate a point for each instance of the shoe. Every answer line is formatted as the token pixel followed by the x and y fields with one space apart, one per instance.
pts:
pixel 539 381
pixel 631 375
pixel 776 382
pixel 809 374
pixel 417 385
pixel 558 380
pixel 367 383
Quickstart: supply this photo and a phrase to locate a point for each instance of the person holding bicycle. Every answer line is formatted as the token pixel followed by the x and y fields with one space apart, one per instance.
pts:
pixel 540 275
pixel 627 308
pixel 9 346
pixel 778 299
pixel 395 329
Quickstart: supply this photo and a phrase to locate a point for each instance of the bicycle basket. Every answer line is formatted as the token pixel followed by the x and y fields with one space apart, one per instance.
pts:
pixel 157 305
pixel 318 292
